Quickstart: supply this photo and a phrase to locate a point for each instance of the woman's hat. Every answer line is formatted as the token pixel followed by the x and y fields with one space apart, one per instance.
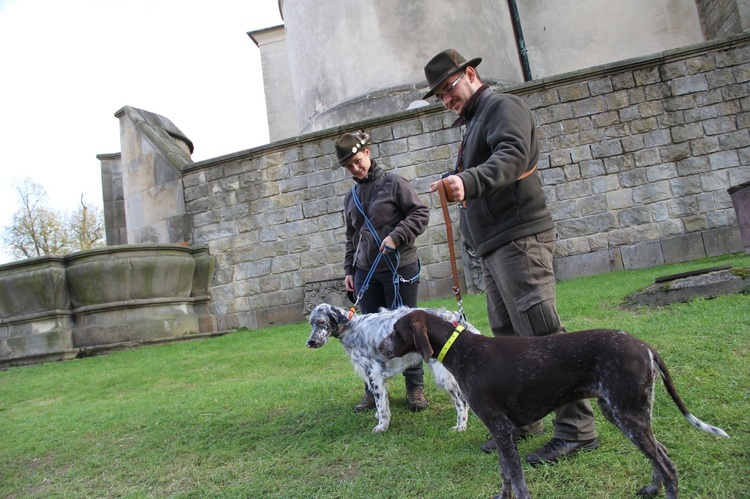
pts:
pixel 350 144
pixel 443 65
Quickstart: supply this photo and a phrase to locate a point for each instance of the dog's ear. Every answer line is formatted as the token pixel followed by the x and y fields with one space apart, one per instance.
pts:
pixel 421 340
pixel 340 316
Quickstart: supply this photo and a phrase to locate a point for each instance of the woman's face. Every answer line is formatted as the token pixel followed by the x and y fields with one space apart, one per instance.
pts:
pixel 359 164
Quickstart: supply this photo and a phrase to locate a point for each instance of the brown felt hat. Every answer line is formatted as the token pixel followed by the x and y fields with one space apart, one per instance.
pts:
pixel 350 144
pixel 443 65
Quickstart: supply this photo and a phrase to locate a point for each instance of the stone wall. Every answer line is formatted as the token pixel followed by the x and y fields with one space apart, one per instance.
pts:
pixel 637 158
pixel 721 18
pixel 58 307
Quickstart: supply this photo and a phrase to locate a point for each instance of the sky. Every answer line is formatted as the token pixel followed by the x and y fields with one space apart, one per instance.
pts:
pixel 66 68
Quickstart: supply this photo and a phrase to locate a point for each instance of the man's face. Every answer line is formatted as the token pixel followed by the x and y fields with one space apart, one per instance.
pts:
pixel 455 91
pixel 359 164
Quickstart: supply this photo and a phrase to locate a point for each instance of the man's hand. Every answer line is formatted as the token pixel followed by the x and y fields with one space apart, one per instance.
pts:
pixel 454 184
pixel 349 283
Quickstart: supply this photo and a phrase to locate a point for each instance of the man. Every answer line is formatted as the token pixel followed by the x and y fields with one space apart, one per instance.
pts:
pixel 504 217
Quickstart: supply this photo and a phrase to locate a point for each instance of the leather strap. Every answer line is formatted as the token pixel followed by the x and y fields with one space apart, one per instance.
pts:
pixel 446 196
pixel 527 173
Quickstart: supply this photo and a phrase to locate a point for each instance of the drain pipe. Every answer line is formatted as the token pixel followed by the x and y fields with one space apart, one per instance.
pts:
pixel 520 43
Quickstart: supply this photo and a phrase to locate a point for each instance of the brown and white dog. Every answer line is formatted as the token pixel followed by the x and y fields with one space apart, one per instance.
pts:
pixel 613 366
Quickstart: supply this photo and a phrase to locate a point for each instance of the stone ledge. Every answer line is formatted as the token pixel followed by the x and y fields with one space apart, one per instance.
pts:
pixel 708 285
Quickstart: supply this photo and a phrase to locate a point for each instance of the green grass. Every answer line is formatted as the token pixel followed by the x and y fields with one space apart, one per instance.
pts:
pixel 256 414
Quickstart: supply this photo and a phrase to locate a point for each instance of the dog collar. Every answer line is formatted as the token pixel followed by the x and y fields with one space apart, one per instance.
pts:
pixel 449 343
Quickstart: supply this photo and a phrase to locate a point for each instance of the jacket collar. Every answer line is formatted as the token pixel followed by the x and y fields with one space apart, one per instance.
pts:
pixel 375 172
pixel 471 106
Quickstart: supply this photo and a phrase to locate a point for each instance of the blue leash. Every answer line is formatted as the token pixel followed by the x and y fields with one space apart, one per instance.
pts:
pixel 397 279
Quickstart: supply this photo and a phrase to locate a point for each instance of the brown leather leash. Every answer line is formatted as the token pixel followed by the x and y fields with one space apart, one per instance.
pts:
pixel 446 196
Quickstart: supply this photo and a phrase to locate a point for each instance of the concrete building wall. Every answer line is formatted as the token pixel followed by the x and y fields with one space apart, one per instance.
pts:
pixel 568 35
pixel 358 60
pixel 637 158
pixel 278 90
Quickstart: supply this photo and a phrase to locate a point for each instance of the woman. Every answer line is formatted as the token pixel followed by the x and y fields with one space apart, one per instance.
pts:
pixel 397 216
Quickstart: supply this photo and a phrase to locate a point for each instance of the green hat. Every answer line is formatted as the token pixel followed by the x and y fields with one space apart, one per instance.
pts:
pixel 350 144
pixel 443 65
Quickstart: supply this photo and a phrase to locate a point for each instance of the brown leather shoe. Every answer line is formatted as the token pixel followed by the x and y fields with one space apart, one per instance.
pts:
pixel 524 432
pixel 417 400
pixel 557 448
pixel 367 403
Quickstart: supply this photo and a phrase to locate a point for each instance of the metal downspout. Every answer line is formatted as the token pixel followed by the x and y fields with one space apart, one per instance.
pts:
pixel 520 43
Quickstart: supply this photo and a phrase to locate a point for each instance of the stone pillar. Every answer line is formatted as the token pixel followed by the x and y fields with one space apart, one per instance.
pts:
pixel 281 106
pixel 154 151
pixel 114 199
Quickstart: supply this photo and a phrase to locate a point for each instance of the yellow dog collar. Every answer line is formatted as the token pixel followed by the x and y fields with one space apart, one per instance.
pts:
pixel 450 341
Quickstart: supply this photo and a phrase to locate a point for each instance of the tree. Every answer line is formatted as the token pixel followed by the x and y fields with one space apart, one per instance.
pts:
pixel 38 230
pixel 86 227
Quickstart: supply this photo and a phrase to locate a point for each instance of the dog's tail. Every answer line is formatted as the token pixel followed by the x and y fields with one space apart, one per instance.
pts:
pixel 669 384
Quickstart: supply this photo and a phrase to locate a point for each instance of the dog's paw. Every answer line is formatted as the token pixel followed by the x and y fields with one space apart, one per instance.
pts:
pixel 381 428
pixel 459 427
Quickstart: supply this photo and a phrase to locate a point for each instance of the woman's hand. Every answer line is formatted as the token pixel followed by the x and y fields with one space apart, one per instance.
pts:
pixel 388 244
pixel 349 283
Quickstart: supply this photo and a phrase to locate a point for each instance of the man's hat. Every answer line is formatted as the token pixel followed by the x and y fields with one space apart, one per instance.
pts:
pixel 350 144
pixel 443 65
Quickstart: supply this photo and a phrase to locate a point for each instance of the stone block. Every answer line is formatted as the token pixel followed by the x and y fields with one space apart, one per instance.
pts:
pixel 588 107
pixel 606 183
pixel 636 96
pixel 646 157
pixel 606 148
pixel 721 125
pixel 630 217
pixel 623 80
pixel 652 192
pixel 674 152
pixel 644 125
pixel 576 91
pixel 736 140
pixel 689 84
pixel 647 76
pixel 662 171
pixel 683 248
pixel 601 86
pixel 642 255
pixel 605 119
pixel 598 262
pixel 687 132
pixel 617 100
pixel 619 199
pixel 724 159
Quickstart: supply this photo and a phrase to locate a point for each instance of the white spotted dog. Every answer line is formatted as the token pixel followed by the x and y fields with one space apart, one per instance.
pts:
pixel 360 337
